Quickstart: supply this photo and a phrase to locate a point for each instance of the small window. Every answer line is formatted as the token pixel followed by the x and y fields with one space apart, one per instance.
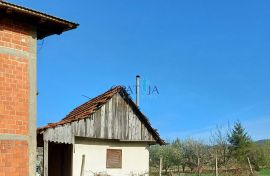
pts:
pixel 114 158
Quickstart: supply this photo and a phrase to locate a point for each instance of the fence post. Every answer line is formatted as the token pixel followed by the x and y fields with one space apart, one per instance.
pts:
pixel 82 167
pixel 198 167
pixel 160 165
pixel 216 165
pixel 250 167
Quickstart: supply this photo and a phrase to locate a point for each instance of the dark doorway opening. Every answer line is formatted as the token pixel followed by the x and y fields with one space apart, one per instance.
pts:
pixel 60 159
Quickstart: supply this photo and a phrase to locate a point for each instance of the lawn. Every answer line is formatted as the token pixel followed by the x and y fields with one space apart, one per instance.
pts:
pixel 264 172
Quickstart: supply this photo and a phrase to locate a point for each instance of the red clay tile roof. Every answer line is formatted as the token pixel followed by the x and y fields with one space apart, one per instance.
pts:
pixel 88 108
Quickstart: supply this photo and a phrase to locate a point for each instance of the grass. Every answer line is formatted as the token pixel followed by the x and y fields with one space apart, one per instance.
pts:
pixel 201 174
pixel 264 172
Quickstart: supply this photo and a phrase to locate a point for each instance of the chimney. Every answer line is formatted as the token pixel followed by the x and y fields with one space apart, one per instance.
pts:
pixel 20 28
pixel 137 90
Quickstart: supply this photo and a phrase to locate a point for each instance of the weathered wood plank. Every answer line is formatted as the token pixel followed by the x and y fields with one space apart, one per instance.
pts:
pixel 114 120
pixel 126 124
pixel 97 123
pixel 110 120
pixel 102 122
pixel 91 127
pixel 106 121
pixel 45 157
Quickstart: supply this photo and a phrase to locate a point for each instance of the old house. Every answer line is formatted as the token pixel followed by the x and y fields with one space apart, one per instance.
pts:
pixel 20 28
pixel 106 135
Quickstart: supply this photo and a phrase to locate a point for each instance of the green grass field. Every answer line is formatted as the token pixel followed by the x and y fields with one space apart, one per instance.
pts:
pixel 264 172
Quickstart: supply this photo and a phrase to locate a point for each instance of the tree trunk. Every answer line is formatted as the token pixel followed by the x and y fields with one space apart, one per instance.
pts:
pixel 183 168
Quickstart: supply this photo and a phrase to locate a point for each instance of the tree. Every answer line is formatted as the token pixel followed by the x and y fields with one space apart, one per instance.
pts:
pixel 167 152
pixel 260 155
pixel 168 155
pixel 154 152
pixel 219 142
pixel 240 143
pixel 195 155
pixel 178 153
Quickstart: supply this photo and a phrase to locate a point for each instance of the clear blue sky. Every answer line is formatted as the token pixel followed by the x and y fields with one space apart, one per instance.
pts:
pixel 210 61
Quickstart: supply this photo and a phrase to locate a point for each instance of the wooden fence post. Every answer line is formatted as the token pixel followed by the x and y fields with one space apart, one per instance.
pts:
pixel 250 167
pixel 160 166
pixel 82 167
pixel 198 167
pixel 216 165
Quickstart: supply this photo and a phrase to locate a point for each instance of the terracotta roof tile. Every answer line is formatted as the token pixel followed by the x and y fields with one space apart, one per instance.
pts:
pixel 86 109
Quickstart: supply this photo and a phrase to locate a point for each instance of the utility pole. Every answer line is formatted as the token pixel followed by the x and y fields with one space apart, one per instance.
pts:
pixel 137 90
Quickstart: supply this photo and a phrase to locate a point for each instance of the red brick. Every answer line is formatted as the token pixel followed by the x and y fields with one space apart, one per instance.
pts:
pixel 13 158
pixel 14 98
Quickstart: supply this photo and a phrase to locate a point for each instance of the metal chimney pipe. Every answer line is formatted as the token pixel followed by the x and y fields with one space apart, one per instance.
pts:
pixel 137 89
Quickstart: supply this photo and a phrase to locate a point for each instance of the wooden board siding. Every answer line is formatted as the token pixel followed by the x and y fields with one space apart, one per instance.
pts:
pixel 114 120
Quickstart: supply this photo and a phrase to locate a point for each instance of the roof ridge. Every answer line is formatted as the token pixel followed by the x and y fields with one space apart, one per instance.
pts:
pixel 94 100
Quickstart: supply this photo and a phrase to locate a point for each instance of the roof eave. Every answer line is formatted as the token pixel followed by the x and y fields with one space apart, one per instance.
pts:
pixel 46 24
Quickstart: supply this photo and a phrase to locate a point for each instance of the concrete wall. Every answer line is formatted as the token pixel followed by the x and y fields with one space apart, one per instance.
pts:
pixel 17 98
pixel 135 157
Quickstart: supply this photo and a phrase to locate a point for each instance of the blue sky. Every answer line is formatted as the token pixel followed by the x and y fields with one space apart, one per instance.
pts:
pixel 208 59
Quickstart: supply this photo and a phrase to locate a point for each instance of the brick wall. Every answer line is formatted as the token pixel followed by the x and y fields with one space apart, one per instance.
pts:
pixel 14 35
pixel 14 95
pixel 14 98
pixel 13 157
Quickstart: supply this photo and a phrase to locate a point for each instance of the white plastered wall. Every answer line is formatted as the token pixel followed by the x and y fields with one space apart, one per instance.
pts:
pixel 135 157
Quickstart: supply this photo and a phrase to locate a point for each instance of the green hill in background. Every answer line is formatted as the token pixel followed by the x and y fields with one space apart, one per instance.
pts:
pixel 262 141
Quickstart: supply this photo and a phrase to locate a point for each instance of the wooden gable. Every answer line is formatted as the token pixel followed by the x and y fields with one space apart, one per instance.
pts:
pixel 116 119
